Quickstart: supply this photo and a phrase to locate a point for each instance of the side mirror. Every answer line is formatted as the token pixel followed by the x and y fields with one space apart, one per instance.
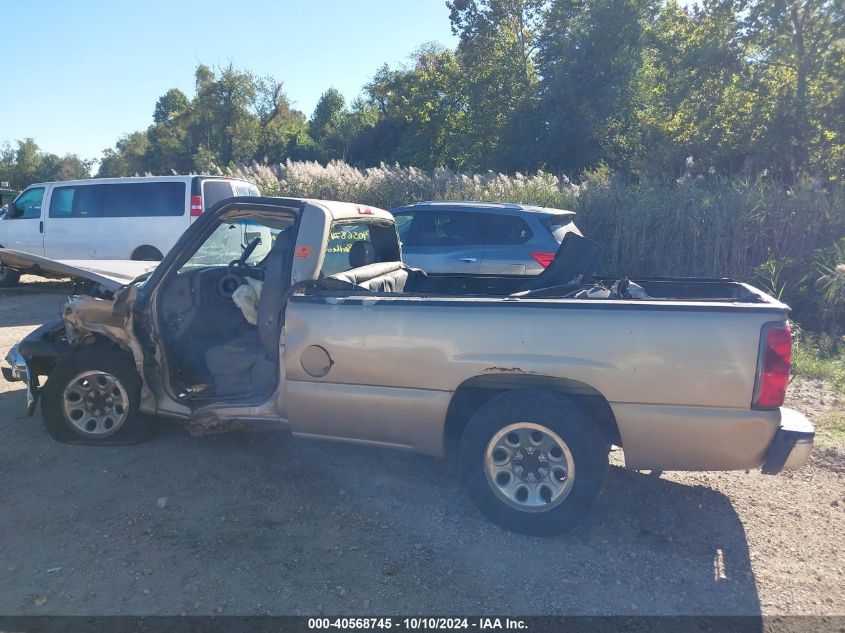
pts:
pixel 12 211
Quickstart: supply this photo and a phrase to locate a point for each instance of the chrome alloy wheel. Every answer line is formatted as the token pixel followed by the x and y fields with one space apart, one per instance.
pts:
pixel 529 467
pixel 95 404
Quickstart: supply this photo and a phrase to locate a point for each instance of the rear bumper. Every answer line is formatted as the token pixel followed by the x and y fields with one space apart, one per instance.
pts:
pixel 792 445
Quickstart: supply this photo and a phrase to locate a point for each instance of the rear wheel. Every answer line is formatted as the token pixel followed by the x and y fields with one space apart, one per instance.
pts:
pixel 147 254
pixel 92 398
pixel 533 462
pixel 9 277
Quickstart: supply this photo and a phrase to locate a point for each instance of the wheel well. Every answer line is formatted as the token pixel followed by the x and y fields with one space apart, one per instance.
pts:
pixel 147 253
pixel 473 393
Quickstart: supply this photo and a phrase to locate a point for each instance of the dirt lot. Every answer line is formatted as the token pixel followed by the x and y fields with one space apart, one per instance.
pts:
pixel 258 523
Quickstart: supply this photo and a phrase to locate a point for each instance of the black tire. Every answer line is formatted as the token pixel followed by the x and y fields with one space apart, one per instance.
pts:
pixel 9 277
pixel 132 426
pixel 563 417
pixel 147 254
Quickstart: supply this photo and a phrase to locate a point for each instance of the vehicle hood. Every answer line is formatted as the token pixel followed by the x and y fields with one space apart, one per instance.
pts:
pixel 111 274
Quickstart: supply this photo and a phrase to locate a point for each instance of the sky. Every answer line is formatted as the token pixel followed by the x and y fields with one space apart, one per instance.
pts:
pixel 79 74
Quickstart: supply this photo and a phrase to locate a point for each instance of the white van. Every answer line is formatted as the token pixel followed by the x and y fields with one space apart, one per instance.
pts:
pixel 109 218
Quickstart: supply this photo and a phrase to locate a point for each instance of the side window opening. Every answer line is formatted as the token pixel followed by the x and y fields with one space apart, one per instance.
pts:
pixel 28 204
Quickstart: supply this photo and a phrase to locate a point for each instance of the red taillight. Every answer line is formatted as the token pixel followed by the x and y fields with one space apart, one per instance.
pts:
pixel 773 370
pixel 196 206
pixel 544 259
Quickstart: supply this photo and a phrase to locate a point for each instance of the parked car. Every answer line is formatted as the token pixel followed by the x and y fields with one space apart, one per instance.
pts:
pixel 527 389
pixel 481 237
pixel 109 218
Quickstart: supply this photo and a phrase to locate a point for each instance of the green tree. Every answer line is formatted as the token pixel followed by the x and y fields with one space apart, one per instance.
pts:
pixel 419 110
pixel 222 122
pixel 590 54
pixel 127 158
pixel 693 91
pixel 498 77
pixel 326 126
pixel 798 51
pixel 170 105
pixel 28 158
pixel 283 130
pixel 68 167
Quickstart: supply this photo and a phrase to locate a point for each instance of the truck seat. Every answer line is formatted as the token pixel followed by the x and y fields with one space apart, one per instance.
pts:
pixel 381 277
pixel 247 364
pixel 366 273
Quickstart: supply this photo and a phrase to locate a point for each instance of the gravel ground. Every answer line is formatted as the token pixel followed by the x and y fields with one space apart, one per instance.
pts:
pixel 257 523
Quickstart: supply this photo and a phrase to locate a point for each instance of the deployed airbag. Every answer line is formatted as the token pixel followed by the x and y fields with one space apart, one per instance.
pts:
pixel 247 297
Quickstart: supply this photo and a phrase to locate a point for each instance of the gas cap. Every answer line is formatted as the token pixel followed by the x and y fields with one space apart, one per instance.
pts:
pixel 316 361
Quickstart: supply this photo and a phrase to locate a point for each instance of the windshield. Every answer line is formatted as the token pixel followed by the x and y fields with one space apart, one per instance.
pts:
pixel 230 240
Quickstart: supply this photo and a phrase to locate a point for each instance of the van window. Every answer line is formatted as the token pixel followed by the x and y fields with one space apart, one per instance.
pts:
pixel 28 204
pixel 61 202
pixel 147 199
pixel 213 191
pixel 245 189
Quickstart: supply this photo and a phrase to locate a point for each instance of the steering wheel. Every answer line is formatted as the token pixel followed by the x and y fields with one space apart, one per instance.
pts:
pixel 237 271
pixel 242 268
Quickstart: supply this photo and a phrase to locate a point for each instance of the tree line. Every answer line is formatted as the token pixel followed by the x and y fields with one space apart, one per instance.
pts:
pixel 649 89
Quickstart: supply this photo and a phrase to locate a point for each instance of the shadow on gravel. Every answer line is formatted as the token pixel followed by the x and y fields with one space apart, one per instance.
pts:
pixel 40 288
pixel 32 304
pixel 257 523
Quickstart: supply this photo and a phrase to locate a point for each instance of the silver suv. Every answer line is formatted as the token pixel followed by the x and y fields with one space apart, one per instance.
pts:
pixel 480 237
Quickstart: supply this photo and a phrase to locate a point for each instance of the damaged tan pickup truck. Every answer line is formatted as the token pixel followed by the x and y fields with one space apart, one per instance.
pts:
pixel 301 314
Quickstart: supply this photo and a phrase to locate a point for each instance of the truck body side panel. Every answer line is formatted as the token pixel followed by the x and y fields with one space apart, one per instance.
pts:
pixel 661 367
pixel 694 438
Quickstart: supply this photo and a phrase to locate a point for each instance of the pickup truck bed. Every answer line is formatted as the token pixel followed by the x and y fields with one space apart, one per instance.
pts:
pixel 657 288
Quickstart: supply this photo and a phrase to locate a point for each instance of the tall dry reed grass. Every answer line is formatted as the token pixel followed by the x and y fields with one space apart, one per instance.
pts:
pixel 694 226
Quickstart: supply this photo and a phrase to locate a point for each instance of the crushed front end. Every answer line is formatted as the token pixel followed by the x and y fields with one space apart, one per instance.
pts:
pixel 36 355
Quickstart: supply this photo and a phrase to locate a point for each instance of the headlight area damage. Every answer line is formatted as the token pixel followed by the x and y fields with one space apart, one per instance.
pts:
pixel 89 320
pixel 86 320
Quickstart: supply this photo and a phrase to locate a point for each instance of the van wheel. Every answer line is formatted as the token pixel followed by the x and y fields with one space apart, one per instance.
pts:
pixel 147 254
pixel 92 398
pixel 533 462
pixel 9 277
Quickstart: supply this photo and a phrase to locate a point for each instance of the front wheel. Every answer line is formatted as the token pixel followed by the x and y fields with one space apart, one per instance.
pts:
pixel 533 462
pixel 92 397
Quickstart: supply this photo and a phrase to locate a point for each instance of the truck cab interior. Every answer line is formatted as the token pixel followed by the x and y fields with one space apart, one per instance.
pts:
pixel 220 311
